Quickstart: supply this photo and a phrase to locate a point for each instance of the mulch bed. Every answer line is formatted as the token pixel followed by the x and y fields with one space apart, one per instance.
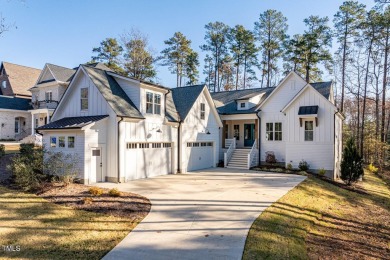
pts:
pixel 128 205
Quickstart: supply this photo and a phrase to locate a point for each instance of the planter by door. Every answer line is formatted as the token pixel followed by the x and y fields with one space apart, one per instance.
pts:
pixel 96 165
pixel 249 134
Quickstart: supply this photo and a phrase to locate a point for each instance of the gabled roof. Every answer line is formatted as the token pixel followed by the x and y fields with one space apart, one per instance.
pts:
pixel 61 73
pixel 72 122
pixel 21 78
pixel 15 103
pixel 112 92
pixel 171 113
pixel 185 97
pixel 323 88
pixel 226 100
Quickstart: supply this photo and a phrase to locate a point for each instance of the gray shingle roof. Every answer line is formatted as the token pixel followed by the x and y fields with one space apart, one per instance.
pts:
pixel 61 73
pixel 185 97
pixel 15 103
pixel 323 88
pixel 171 113
pixel 308 110
pixel 113 93
pixel 226 100
pixel 72 122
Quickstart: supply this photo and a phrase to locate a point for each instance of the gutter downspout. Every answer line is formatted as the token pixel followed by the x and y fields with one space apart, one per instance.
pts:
pixel 334 146
pixel 257 114
pixel 178 148
pixel 119 156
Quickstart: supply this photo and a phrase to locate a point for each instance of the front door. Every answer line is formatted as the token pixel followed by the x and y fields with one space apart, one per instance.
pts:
pixel 249 134
pixel 96 165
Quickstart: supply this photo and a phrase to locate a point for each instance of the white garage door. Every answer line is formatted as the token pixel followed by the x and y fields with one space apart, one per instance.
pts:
pixel 144 160
pixel 200 155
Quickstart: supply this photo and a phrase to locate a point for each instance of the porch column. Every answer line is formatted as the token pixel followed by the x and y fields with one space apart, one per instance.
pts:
pixel 223 133
pixel 32 124
pixel 257 132
pixel 48 116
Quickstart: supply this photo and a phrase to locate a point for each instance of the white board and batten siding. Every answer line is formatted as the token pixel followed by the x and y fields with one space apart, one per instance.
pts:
pixel 270 113
pixel 194 130
pixel 319 153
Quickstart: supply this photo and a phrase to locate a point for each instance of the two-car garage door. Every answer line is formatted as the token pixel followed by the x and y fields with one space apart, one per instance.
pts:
pixel 200 155
pixel 144 160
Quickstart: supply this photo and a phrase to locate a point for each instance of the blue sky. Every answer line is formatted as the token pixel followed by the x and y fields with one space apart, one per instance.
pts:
pixel 63 32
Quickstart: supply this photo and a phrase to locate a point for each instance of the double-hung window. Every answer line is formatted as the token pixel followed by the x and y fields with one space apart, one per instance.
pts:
pixel 84 98
pixel 309 131
pixel 269 131
pixel 70 141
pixel 202 111
pixel 61 141
pixel 274 131
pixel 153 103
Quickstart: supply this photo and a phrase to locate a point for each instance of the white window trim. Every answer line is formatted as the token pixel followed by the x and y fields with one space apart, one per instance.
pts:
pixel 81 99
pixel 203 111
pixel 304 130
pixel 153 103
pixel 51 96
pixel 273 131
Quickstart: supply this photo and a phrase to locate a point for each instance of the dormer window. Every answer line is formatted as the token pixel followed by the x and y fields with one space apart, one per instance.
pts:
pixel 242 105
pixel 4 84
pixel 153 103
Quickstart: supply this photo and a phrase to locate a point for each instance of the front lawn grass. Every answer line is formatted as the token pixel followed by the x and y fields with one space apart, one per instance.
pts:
pixel 318 220
pixel 44 230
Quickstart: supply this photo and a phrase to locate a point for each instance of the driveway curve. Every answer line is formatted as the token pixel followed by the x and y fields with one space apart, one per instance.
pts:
pixel 201 215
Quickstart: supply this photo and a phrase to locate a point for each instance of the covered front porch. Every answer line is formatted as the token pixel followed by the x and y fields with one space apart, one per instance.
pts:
pixel 240 140
pixel 40 117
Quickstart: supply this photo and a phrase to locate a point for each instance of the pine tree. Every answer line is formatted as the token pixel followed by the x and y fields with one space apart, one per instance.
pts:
pixel 216 44
pixel 243 49
pixel 347 22
pixel 352 163
pixel 181 58
pixel 138 58
pixel 271 32
pixel 109 53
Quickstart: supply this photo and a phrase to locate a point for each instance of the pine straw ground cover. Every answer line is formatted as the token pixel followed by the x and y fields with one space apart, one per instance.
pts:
pixel 318 220
pixel 57 224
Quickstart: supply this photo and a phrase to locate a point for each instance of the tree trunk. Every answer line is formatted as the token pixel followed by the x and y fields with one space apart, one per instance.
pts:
pixel 343 69
pixel 383 134
pixel 244 72
pixel 365 99
pixel 237 69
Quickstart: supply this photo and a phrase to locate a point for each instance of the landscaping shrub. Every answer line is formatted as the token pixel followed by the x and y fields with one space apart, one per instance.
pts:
pixel 289 167
pixel 322 172
pixel 114 192
pixel 2 150
pixel 303 165
pixel 270 157
pixel 26 149
pixel 64 167
pixel 96 191
pixel 352 163
pixel 372 168
pixel 27 169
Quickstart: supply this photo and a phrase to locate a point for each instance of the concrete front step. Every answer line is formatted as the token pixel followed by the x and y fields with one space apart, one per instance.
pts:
pixel 236 167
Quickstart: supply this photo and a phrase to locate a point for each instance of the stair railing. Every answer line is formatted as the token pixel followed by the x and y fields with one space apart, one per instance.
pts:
pixel 252 154
pixel 229 153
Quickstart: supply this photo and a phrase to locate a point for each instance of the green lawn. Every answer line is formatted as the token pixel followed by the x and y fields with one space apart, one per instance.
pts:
pixel 320 220
pixel 44 230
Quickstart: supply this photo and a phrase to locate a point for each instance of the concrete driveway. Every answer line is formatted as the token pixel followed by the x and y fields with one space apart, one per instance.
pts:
pixel 202 215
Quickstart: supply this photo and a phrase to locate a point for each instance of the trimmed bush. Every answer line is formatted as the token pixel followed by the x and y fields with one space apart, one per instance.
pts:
pixel 96 191
pixel 26 149
pixel 352 163
pixel 289 167
pixel 322 172
pixel 65 167
pixel 270 157
pixel 303 165
pixel 114 192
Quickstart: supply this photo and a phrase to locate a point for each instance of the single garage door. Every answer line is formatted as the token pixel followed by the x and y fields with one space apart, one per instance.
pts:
pixel 200 155
pixel 144 160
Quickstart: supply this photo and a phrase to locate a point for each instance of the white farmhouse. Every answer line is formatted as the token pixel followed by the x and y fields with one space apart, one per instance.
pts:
pixel 124 129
